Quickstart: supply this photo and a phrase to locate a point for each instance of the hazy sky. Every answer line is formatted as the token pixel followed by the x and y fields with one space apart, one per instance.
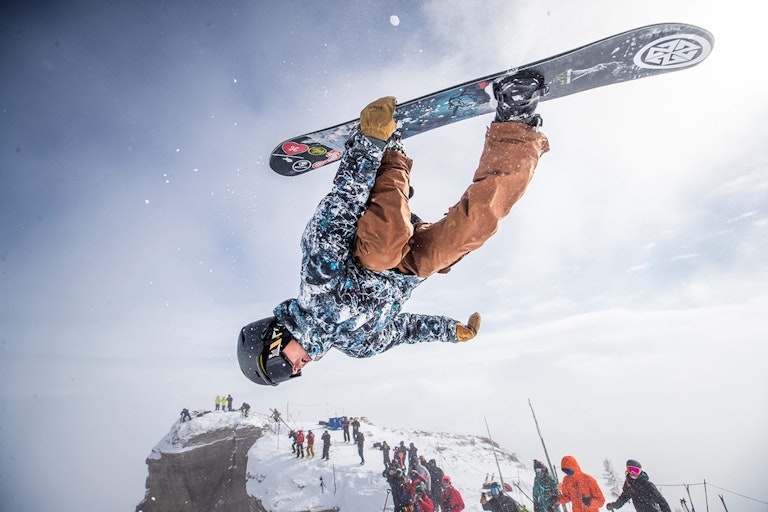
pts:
pixel 140 228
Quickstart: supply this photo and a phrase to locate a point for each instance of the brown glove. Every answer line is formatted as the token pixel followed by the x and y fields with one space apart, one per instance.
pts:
pixel 469 331
pixel 376 119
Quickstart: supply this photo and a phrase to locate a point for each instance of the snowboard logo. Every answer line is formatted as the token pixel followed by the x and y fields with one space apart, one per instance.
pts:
pixel 292 148
pixel 670 52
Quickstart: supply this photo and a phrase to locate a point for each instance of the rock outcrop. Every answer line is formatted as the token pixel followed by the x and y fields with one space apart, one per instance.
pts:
pixel 202 471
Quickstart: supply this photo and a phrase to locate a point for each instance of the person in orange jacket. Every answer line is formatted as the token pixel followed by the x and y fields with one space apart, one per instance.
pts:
pixel 579 488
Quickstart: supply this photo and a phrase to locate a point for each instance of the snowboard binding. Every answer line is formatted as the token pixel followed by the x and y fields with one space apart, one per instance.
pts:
pixel 518 96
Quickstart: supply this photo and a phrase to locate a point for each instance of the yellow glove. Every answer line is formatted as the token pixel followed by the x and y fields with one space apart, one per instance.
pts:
pixel 483 501
pixel 469 331
pixel 376 119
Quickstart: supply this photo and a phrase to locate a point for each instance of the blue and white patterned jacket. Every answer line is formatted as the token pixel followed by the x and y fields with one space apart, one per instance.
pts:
pixel 341 304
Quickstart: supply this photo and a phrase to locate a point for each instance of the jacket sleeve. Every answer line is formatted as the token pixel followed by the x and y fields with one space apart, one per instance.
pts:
pixel 658 498
pixel 327 240
pixel 598 500
pixel 624 496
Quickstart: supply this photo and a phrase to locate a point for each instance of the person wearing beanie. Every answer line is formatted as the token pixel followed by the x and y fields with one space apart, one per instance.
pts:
pixel 450 499
pixel 545 490
pixel 579 488
pixel 639 488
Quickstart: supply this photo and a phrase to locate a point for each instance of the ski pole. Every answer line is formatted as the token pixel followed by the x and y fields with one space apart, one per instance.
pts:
pixel 723 500
pixel 546 453
pixel 385 501
pixel 493 447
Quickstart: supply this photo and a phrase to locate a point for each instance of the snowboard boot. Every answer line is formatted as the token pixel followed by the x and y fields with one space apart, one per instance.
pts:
pixel 517 96
pixel 469 331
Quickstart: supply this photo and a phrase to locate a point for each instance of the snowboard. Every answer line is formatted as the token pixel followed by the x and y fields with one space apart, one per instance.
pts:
pixel 638 53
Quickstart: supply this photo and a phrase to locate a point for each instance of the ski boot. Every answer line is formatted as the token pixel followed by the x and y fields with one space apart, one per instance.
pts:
pixel 517 96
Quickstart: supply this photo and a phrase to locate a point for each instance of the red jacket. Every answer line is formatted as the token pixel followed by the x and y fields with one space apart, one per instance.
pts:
pixel 578 487
pixel 423 504
pixel 300 437
pixel 451 500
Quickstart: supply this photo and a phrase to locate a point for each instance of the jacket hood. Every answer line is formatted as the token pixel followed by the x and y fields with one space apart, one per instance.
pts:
pixel 569 462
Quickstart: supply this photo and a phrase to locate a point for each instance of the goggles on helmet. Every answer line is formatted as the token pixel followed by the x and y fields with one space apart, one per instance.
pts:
pixel 275 366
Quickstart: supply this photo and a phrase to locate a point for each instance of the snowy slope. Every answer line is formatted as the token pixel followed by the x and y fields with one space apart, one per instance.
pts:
pixel 287 484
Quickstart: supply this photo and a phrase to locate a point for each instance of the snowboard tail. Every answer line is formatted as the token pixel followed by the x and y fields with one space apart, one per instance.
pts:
pixel 638 53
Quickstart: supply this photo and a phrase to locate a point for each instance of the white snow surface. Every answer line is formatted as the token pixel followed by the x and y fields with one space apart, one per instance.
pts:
pixel 287 484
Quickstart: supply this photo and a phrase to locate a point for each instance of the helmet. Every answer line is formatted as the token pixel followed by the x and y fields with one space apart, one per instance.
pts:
pixel 260 354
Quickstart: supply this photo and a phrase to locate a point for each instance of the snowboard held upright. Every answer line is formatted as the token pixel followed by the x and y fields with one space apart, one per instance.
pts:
pixel 638 53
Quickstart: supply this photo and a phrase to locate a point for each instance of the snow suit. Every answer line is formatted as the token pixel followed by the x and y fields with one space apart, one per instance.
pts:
pixel 326 437
pixel 644 495
pixel 360 439
pixel 451 500
pixel 352 288
pixel 300 444
pixel 423 503
pixel 544 492
pixel 501 503
pixel 579 488
pixel 311 445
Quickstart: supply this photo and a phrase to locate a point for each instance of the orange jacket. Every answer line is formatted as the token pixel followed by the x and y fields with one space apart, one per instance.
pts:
pixel 577 486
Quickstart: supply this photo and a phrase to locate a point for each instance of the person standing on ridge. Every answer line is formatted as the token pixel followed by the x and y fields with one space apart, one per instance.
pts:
pixel 363 256
pixel 450 499
pixel 579 488
pixel 545 490
pixel 639 488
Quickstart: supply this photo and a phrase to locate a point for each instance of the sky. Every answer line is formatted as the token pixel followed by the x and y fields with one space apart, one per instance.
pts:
pixel 141 228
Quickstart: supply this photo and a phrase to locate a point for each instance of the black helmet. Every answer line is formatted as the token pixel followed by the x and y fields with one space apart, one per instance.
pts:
pixel 260 352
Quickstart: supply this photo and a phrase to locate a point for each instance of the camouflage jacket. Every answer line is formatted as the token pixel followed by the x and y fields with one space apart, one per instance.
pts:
pixel 341 304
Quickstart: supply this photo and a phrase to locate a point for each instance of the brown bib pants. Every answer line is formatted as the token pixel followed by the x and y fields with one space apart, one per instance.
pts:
pixel 387 240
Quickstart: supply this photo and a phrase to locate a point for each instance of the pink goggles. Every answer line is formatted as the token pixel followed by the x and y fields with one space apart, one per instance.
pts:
pixel 634 470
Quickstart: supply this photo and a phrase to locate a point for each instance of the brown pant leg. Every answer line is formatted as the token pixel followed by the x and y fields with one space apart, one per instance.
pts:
pixel 384 229
pixel 509 158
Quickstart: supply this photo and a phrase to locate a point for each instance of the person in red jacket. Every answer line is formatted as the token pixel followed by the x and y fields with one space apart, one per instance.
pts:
pixel 451 500
pixel 579 488
pixel 300 444
pixel 421 500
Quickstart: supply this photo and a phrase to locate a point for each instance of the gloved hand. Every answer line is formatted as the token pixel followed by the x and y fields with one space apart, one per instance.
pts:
pixel 586 500
pixel 469 331
pixel 483 500
pixel 610 506
pixel 376 119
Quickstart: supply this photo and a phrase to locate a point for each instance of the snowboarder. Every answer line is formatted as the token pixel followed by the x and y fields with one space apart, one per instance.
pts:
pixel 185 415
pixel 385 453
pixel 421 500
pixel 360 439
pixel 639 488
pixel 300 444
pixel 310 444
pixel 229 403
pixel 244 409
pixel 326 437
pixel 436 475
pixel 450 499
pixel 499 502
pixel 218 402
pixel 545 491
pixel 579 488
pixel 363 257
pixel 396 481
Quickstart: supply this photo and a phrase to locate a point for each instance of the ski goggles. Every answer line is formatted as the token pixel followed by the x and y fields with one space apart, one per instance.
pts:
pixel 567 471
pixel 633 470
pixel 495 489
pixel 275 366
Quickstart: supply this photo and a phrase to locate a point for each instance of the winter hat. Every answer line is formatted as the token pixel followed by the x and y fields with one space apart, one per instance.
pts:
pixel 634 464
pixel 446 480
pixel 538 464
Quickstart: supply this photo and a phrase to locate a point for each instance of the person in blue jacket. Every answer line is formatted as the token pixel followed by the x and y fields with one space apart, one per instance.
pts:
pixel 363 256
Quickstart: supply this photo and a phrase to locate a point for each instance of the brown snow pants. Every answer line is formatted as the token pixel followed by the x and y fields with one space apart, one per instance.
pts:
pixel 387 240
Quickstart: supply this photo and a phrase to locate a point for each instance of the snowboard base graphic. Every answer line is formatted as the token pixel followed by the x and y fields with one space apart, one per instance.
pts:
pixel 638 53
